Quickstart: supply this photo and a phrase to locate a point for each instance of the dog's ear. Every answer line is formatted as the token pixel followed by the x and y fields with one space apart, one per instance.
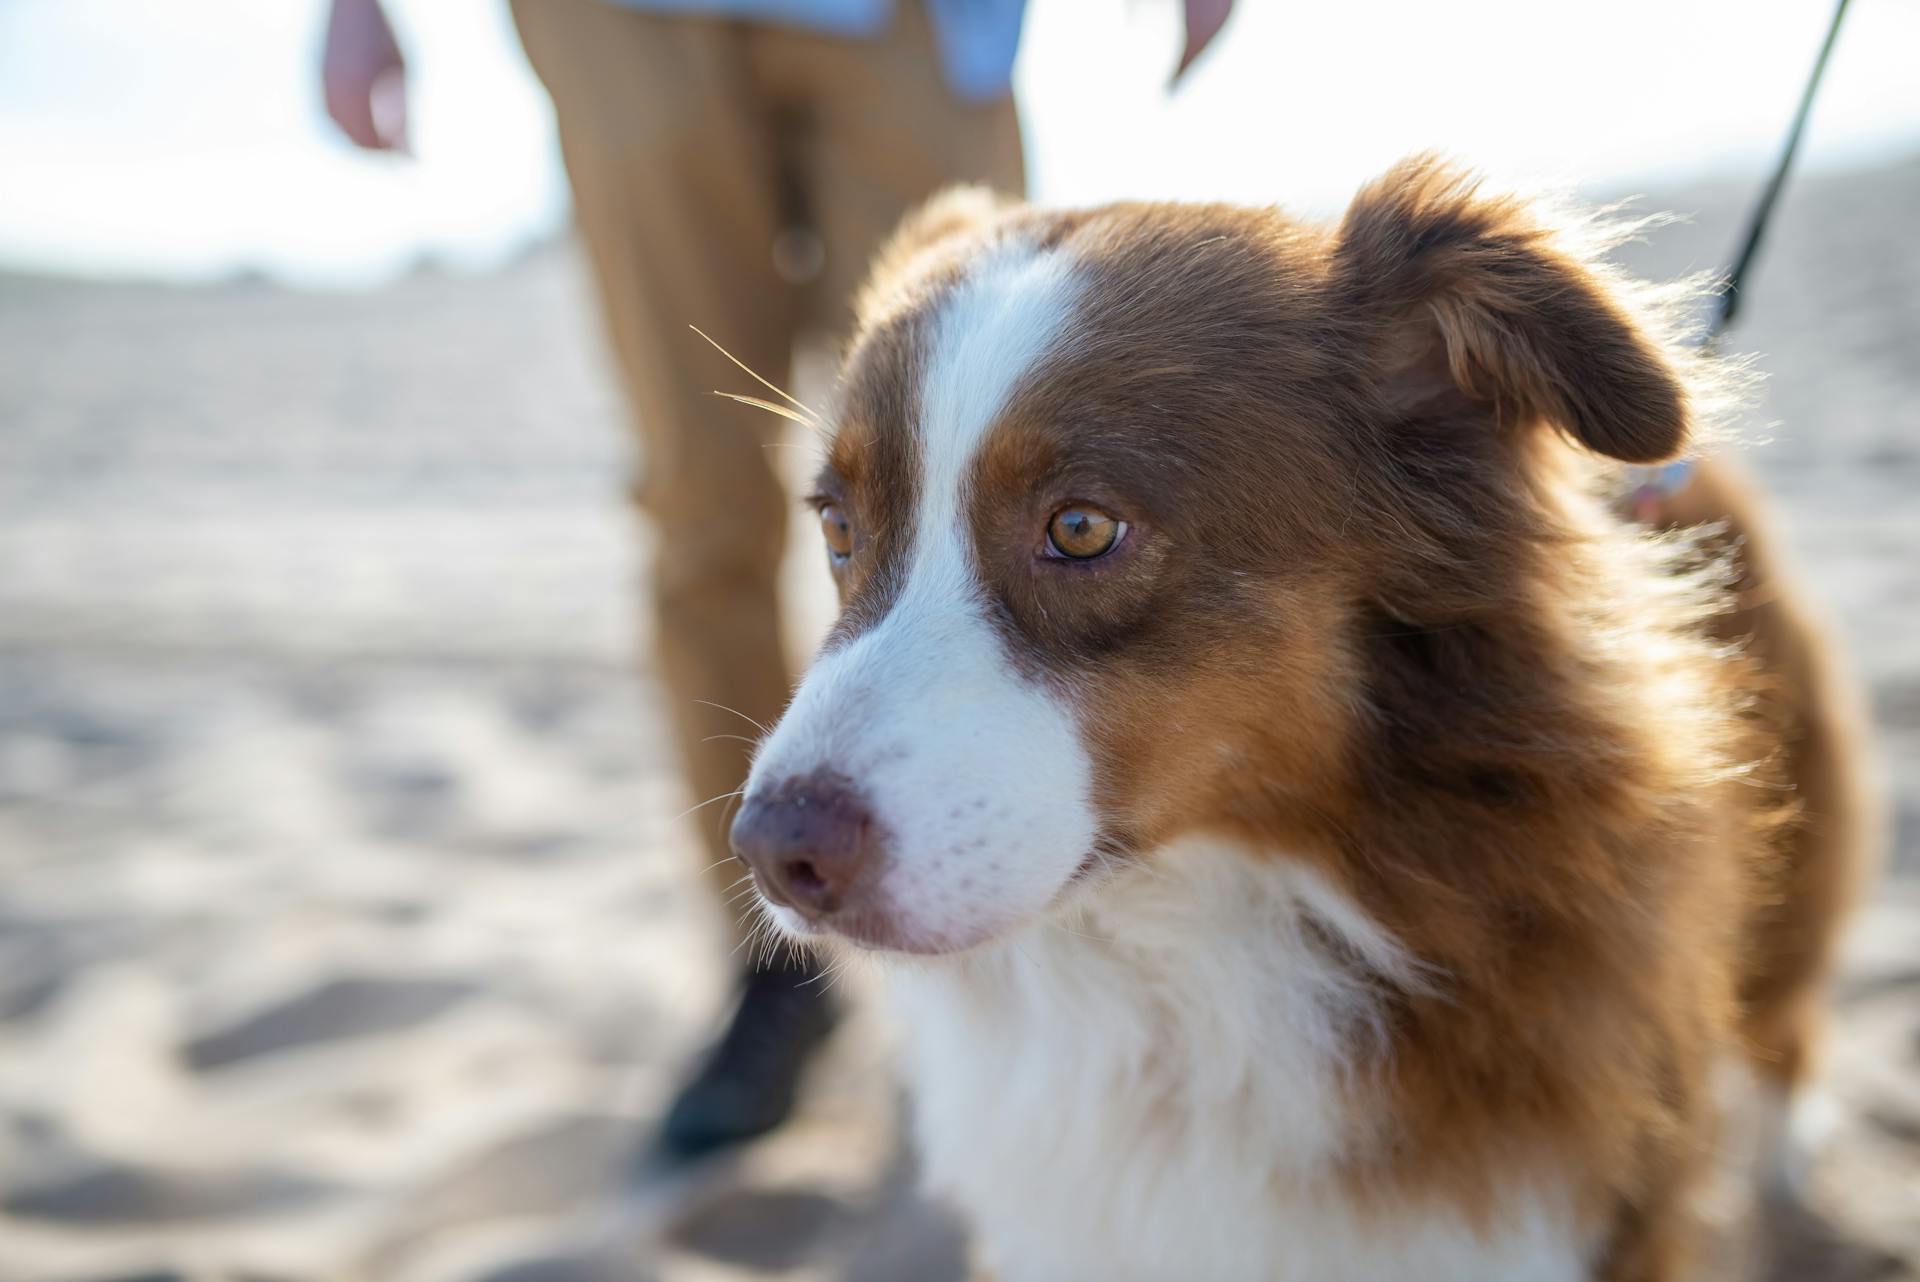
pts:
pixel 1476 301
pixel 926 238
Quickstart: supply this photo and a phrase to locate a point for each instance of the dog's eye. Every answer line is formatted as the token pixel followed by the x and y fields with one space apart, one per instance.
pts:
pixel 1082 533
pixel 837 530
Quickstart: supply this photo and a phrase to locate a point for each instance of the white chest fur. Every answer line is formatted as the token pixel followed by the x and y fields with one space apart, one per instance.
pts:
pixel 1156 1089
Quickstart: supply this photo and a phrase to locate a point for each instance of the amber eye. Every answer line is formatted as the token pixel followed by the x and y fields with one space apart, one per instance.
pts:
pixel 1082 533
pixel 837 530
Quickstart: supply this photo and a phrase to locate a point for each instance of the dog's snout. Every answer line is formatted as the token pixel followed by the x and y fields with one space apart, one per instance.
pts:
pixel 810 843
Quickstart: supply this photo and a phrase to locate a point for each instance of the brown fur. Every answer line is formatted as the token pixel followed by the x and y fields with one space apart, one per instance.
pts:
pixel 1376 613
pixel 1815 709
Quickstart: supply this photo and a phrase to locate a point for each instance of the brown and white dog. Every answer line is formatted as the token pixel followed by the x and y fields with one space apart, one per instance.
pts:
pixel 1317 837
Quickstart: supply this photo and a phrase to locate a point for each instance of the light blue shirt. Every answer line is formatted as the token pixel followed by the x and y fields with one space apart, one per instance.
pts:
pixel 978 38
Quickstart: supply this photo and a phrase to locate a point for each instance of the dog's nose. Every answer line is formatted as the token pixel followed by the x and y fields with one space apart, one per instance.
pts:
pixel 808 841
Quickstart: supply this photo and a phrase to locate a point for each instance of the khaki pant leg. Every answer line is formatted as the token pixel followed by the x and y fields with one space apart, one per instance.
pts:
pixel 672 161
pixel 878 132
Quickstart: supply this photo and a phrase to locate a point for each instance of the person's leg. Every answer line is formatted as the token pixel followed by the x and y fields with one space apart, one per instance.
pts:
pixel 671 157
pixel 877 133
pixel 671 163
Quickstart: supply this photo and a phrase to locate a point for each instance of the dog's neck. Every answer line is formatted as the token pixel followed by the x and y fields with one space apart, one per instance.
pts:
pixel 1202 978
pixel 1175 1056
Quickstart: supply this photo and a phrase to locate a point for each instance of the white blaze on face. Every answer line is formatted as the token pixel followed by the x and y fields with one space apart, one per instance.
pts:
pixel 976 776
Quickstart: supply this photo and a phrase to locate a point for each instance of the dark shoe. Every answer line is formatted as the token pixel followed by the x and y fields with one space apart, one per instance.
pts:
pixel 746 1086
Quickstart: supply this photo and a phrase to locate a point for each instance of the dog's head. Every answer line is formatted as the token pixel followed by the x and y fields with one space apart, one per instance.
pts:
pixel 1116 499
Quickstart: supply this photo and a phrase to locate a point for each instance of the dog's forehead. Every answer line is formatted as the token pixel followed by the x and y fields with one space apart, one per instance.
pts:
pixel 1118 294
pixel 1011 316
pixel 932 378
pixel 1103 315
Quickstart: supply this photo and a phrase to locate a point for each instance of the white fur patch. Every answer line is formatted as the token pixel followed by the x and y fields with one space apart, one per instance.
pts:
pixel 1158 1088
pixel 976 776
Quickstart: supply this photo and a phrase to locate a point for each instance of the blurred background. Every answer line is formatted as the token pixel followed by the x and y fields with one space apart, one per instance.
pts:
pixel 350 925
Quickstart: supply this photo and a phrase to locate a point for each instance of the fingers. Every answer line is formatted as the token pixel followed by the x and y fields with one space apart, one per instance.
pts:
pixel 350 106
pixel 363 76
pixel 1204 20
pixel 387 103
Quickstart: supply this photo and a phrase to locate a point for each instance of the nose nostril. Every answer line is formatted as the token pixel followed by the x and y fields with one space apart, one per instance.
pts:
pixel 804 878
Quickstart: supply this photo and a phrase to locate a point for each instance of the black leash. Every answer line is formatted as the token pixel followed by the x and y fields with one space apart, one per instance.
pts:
pixel 1650 486
pixel 1729 305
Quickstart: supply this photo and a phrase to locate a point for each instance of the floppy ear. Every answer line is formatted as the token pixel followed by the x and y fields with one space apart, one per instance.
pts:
pixel 1480 302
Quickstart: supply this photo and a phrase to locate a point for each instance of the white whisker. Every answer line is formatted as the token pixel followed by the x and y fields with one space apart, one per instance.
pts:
pixel 761 404
pixel 812 419
pixel 704 804
pixel 736 712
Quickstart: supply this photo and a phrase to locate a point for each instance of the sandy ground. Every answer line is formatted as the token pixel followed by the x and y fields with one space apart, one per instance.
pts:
pixel 347 928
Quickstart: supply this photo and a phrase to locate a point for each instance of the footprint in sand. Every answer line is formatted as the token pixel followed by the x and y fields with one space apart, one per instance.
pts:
pixel 332 1011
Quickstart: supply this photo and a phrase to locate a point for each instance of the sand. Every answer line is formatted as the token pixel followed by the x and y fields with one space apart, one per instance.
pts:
pixel 348 927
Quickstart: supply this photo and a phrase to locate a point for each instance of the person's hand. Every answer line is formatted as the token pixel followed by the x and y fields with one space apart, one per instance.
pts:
pixel 1204 20
pixel 364 77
